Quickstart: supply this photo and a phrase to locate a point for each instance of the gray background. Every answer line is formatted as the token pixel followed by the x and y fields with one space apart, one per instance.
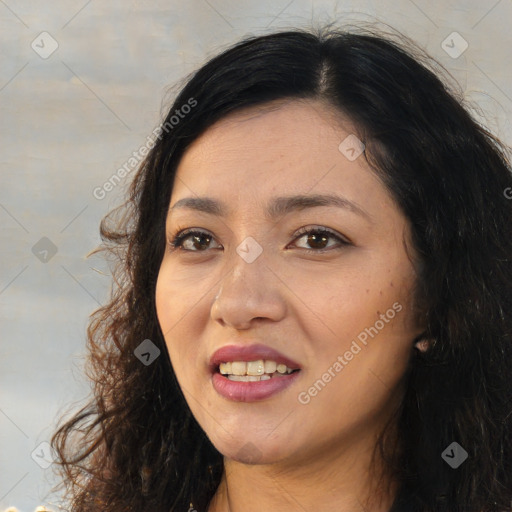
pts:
pixel 70 120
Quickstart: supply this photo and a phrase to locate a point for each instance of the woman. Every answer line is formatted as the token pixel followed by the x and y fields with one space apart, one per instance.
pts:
pixel 313 300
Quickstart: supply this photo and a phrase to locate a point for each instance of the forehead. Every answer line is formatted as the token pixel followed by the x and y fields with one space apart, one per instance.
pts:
pixel 281 149
pixel 276 128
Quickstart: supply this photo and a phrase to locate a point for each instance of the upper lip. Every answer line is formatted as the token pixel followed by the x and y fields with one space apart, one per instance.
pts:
pixel 249 353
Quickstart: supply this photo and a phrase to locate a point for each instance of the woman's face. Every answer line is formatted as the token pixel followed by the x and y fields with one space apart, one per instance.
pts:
pixel 261 277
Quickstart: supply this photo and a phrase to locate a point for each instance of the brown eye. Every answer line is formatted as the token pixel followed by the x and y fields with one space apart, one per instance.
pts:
pixel 191 240
pixel 318 238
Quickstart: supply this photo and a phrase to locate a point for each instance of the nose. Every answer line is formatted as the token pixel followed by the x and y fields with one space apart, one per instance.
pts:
pixel 248 293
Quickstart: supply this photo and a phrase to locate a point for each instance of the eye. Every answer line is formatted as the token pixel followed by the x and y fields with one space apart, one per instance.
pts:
pixel 196 237
pixel 195 240
pixel 318 237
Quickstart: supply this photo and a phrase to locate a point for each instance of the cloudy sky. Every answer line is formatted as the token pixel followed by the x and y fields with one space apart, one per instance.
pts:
pixel 82 84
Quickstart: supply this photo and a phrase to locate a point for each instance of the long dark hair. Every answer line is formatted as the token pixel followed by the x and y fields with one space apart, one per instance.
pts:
pixel 136 446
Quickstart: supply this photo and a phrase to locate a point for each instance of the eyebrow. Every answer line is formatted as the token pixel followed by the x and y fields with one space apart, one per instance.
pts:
pixel 276 208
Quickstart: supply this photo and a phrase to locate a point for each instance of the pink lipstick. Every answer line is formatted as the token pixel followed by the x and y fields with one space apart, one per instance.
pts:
pixel 251 373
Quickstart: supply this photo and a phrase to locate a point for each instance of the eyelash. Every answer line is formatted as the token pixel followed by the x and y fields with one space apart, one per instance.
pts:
pixel 181 235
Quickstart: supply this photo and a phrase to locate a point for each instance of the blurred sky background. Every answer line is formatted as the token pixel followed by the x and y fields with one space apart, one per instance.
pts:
pixel 69 119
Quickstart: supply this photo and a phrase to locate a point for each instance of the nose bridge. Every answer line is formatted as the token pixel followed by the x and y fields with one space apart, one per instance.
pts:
pixel 249 289
pixel 248 273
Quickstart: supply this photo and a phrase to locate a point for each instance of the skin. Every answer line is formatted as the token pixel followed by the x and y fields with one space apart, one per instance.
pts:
pixel 281 454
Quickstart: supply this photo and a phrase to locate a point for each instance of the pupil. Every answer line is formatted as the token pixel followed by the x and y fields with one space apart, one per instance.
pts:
pixel 314 237
pixel 198 238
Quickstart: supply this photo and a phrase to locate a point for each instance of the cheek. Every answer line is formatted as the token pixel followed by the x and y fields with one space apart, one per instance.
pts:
pixel 378 339
pixel 344 301
pixel 164 302
pixel 368 321
pixel 169 309
pixel 178 304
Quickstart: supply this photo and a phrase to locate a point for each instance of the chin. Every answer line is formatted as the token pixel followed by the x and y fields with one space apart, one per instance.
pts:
pixel 251 451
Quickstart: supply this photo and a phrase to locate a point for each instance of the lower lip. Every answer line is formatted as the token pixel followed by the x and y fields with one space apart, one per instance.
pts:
pixel 251 391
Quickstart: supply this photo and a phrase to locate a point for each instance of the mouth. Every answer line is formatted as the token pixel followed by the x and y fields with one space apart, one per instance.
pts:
pixel 254 371
pixel 251 373
pixel 251 360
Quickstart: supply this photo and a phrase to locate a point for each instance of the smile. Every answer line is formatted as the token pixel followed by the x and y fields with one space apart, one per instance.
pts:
pixel 253 371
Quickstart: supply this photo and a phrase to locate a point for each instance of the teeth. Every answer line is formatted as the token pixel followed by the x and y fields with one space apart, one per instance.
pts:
pixel 256 367
pixel 248 378
pixel 238 367
pixel 270 366
pixel 281 368
pixel 225 368
pixel 255 370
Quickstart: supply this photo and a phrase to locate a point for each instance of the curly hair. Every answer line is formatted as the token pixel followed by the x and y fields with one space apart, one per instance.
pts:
pixel 135 446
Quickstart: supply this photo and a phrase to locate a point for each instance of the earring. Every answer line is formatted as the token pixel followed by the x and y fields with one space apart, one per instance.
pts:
pixel 422 345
